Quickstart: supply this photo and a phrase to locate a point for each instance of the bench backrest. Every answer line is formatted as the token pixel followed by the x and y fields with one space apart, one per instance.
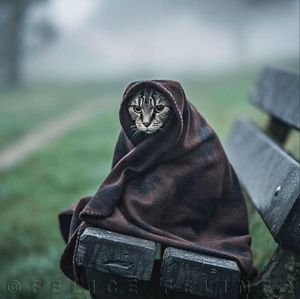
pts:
pixel 268 173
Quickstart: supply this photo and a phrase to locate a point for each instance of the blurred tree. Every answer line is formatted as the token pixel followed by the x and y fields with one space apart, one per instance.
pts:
pixel 13 14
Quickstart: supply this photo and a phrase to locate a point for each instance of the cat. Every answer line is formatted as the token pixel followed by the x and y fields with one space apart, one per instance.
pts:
pixel 150 110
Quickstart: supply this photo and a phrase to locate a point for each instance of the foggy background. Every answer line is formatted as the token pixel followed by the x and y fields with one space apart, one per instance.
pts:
pixel 84 40
pixel 63 67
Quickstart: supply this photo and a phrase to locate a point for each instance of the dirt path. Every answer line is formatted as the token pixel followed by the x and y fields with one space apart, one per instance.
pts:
pixel 54 129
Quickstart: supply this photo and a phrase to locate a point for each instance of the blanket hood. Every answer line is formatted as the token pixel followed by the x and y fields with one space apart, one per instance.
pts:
pixel 173 92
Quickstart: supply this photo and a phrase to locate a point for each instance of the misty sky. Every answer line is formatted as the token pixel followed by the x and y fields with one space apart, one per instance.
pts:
pixel 104 38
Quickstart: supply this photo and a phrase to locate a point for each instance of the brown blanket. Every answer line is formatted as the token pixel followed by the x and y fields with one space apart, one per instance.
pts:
pixel 175 187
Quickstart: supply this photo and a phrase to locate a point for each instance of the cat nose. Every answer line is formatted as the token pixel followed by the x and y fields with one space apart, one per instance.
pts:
pixel 146 123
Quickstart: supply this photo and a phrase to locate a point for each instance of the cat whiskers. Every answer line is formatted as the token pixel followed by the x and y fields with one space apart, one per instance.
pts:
pixel 161 129
pixel 135 131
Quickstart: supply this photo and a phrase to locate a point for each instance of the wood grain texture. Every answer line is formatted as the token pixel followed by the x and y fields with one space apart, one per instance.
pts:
pixel 198 274
pixel 116 253
pixel 290 231
pixel 111 286
pixel 277 93
pixel 270 176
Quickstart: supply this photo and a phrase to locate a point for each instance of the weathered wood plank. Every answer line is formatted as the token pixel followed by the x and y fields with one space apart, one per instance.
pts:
pixel 199 274
pixel 111 286
pixel 290 231
pixel 270 176
pixel 277 92
pixel 116 253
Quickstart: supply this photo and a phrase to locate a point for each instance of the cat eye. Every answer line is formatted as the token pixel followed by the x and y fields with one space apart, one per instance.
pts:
pixel 159 108
pixel 137 109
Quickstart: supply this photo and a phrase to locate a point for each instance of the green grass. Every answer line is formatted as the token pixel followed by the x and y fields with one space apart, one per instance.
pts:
pixel 263 244
pixel 27 108
pixel 224 99
pixel 32 194
pixel 292 144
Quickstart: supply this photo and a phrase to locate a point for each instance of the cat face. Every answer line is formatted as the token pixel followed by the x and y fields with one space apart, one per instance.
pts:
pixel 150 110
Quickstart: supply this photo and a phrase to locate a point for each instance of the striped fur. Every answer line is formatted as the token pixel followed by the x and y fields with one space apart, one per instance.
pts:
pixel 150 110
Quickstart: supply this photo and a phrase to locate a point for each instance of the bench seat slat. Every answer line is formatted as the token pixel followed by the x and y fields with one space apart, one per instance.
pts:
pixel 116 253
pixel 269 175
pixel 199 274
pixel 277 92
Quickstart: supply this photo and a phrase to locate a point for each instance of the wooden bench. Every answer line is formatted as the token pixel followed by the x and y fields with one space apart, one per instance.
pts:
pixel 120 266
pixel 271 178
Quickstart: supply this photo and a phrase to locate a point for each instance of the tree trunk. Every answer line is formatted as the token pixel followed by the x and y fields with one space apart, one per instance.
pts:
pixel 14 40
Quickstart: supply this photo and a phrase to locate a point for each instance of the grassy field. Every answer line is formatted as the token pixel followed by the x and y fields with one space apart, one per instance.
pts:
pixel 28 107
pixel 33 192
